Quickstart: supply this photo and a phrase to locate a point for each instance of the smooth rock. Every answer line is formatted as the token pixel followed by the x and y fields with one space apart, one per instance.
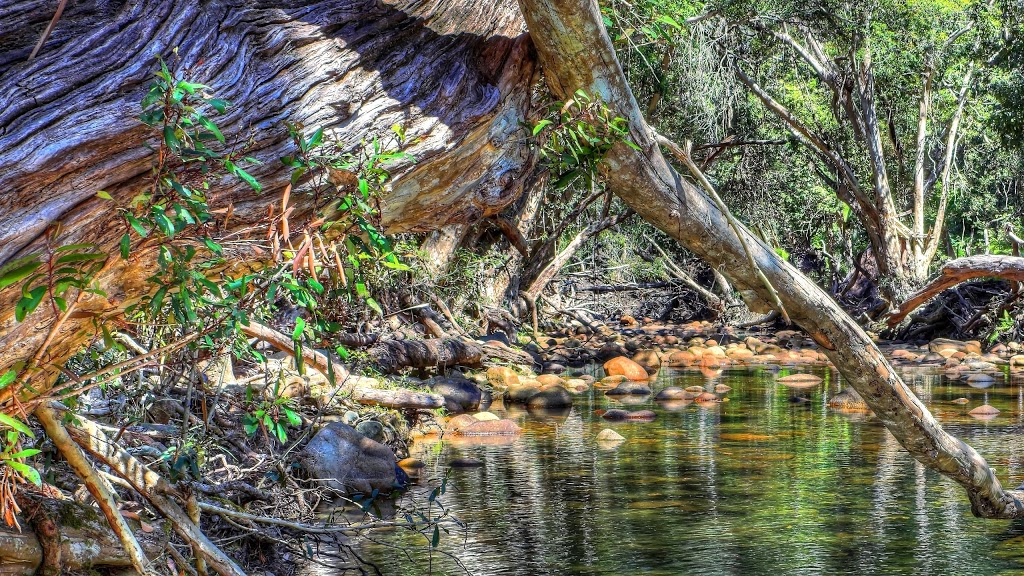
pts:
pixel 346 460
pixel 623 366
pixel 553 397
pixel 609 435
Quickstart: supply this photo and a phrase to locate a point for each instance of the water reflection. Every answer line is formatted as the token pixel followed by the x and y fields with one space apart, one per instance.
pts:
pixel 760 484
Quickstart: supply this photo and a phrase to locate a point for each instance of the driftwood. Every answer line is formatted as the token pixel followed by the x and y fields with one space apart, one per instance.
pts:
pixel 455 74
pixel 393 355
pixel 390 398
pixel 576 53
pixel 960 270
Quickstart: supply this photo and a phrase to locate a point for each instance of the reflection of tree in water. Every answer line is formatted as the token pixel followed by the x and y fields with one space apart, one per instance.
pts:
pixel 751 486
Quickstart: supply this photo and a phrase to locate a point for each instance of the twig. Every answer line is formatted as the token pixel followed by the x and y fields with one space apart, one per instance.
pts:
pixel 49 29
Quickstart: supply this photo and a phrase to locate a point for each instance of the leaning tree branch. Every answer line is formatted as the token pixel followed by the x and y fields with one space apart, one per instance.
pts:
pixel 961 270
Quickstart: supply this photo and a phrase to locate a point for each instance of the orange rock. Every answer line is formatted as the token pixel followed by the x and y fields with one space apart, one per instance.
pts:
pixel 682 358
pixel 623 366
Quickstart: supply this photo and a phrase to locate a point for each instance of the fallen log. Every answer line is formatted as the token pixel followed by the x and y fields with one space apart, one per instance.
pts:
pixel 400 398
pixel 154 488
pixel 393 355
pixel 86 541
pixel 957 271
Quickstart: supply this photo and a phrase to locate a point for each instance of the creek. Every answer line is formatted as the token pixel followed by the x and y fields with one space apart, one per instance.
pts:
pixel 771 481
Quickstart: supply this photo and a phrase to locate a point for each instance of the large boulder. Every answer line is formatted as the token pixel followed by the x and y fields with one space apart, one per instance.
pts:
pixel 622 366
pixel 346 460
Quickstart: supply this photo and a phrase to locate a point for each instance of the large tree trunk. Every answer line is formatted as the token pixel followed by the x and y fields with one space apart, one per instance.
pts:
pixel 455 73
pixel 576 53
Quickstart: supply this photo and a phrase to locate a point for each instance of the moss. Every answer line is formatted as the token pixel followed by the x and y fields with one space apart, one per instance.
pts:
pixel 75 515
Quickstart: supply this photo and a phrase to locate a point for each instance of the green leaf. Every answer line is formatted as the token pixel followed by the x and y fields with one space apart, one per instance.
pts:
pixel 171 139
pixel 126 245
pixel 540 126
pixel 293 418
pixel 213 246
pixel 27 471
pixel 137 225
pixel 80 257
pixel 436 539
pixel 373 304
pixel 29 302
pixel 26 453
pixel 219 105
pixel 7 378
pixel 104 195
pixel 16 424
pixel 206 123
pixel 18 273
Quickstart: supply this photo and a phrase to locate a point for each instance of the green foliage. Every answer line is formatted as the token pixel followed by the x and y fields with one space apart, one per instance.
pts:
pixel 271 415
pixel 576 136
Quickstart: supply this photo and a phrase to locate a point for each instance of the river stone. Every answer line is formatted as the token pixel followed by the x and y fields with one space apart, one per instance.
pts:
pixel 674 393
pixel 980 380
pixel 549 380
pixel 552 397
pixel 609 435
pixel 520 394
pixel 946 346
pixel 615 415
pixel 648 359
pixel 371 429
pixel 490 428
pixel 681 358
pixel 722 388
pixel 486 416
pixel 848 399
pixel 695 389
pixel 411 464
pixel 350 418
pixel 346 460
pixel 460 394
pixel 502 377
pixel 800 380
pixel 623 366
pixel 706 398
pixel 641 416
pixel 457 423
pixel 628 388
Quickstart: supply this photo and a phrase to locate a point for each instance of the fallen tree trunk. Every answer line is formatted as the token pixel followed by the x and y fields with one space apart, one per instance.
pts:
pixel 85 540
pixel 393 355
pixel 960 270
pixel 576 53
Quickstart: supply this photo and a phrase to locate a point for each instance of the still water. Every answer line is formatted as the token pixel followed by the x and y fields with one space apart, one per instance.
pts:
pixel 761 484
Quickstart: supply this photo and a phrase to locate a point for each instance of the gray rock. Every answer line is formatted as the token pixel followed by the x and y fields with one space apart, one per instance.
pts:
pixel 371 429
pixel 346 460
pixel 552 397
pixel 460 395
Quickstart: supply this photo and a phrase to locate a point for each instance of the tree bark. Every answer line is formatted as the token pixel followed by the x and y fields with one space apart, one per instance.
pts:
pixel 455 73
pixel 957 271
pixel 576 53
